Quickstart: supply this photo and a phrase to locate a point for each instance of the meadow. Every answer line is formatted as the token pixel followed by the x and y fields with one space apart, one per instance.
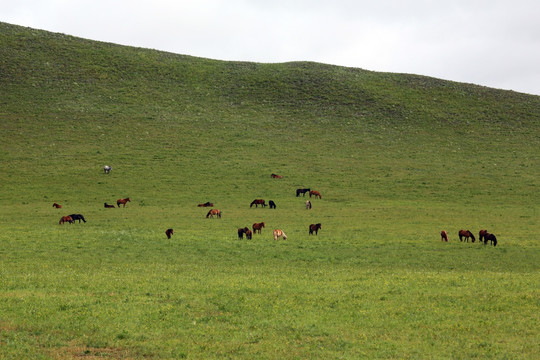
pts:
pixel 396 157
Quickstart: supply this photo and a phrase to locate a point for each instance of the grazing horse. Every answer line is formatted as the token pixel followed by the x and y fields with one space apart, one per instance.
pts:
pixel 481 235
pixel 107 169
pixel 258 227
pixel 64 219
pixel 466 234
pixel 279 233
pixel 444 236
pixel 302 191
pixel 58 206
pixel 169 232
pixel 249 234
pixel 77 217
pixel 213 212
pixel 272 204
pixel 276 176
pixel 308 205
pixel 242 231
pixel 490 237
pixel 315 193
pixel 314 227
pixel 107 206
pixel 258 202
pixel 206 204
pixel 122 201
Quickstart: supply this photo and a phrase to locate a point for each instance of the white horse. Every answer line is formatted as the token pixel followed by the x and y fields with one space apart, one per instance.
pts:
pixel 308 204
pixel 107 169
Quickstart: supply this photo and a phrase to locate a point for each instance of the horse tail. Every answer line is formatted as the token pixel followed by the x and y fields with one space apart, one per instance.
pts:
pixel 208 214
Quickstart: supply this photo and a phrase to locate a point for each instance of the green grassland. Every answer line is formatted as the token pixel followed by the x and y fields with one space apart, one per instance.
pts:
pixel 397 158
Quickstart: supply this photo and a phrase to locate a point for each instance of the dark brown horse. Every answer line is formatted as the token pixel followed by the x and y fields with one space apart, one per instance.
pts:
pixel 64 219
pixel 276 176
pixel 314 228
pixel 444 236
pixel 466 234
pixel 213 212
pixel 122 201
pixel 258 202
pixel 249 234
pixel 481 235
pixel 302 191
pixel 107 206
pixel 169 232
pixel 490 237
pixel 315 193
pixel 258 227
pixel 206 204
pixel 242 231
pixel 58 206
pixel 77 217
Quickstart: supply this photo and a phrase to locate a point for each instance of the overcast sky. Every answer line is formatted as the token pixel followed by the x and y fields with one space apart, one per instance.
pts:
pixel 494 43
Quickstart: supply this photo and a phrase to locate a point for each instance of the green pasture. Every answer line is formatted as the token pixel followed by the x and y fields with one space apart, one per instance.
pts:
pixel 397 158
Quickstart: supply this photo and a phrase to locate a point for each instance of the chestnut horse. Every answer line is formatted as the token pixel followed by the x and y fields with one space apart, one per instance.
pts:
pixel 314 227
pixel 108 206
pixel 279 233
pixel 258 202
pixel 122 201
pixel 258 227
pixel 249 234
pixel 444 236
pixel 490 237
pixel 169 232
pixel 466 234
pixel 276 176
pixel 315 193
pixel 64 219
pixel 242 231
pixel 213 212
pixel 206 204
pixel 302 191
pixel 481 235
pixel 58 206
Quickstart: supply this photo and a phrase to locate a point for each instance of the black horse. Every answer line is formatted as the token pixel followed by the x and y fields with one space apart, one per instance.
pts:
pixel 272 204
pixel 302 191
pixel 77 217
pixel 490 237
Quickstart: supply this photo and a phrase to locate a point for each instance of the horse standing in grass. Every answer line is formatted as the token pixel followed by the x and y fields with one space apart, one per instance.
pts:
pixel 242 231
pixel 302 191
pixel 481 235
pixel 249 234
pixel 213 212
pixel 122 201
pixel 279 233
pixel 169 233
pixel 64 219
pixel 58 206
pixel 314 228
pixel 315 193
pixel 107 169
pixel 77 217
pixel 444 236
pixel 466 234
pixel 308 205
pixel 490 237
pixel 258 202
pixel 258 227
pixel 272 204
pixel 107 206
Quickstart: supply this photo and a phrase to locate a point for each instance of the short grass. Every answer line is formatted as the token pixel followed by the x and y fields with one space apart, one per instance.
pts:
pixel 397 158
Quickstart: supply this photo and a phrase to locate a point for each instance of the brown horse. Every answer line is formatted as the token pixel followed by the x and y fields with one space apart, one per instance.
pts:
pixel 490 237
pixel 276 176
pixel 279 233
pixel 444 236
pixel 58 206
pixel 107 206
pixel 206 204
pixel 315 193
pixel 122 201
pixel 258 227
pixel 481 235
pixel 466 234
pixel 314 227
pixel 64 219
pixel 169 232
pixel 242 231
pixel 249 234
pixel 258 202
pixel 213 212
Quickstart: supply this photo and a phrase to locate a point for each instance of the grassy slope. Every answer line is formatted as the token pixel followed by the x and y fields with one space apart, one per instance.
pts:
pixel 397 158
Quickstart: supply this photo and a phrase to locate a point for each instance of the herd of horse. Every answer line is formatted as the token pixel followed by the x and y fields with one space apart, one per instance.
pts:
pixel 73 217
pixel 464 235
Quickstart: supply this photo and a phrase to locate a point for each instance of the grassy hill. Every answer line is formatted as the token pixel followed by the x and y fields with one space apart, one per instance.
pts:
pixel 397 158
